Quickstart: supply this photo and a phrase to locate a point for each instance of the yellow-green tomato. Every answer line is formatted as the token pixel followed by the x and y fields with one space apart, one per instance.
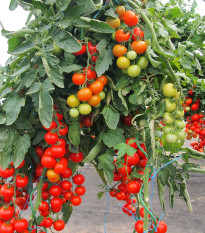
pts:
pixel 134 71
pixel 167 118
pixel 167 129
pixel 180 124
pixel 102 95
pixel 170 106
pixel 143 62
pixel 132 55
pixel 74 112
pixel 113 36
pixel 180 113
pixel 169 90
pixel 57 50
pixel 123 62
pixel 171 138
pixel 85 109
pixel 181 135
pixel 97 106
pixel 73 101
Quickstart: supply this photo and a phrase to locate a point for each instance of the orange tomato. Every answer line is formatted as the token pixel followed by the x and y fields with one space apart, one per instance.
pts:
pixel 119 50
pixel 139 46
pixel 113 22
pixel 120 10
pixel 102 79
pixel 52 176
pixel 84 94
pixel 94 100
pixel 96 87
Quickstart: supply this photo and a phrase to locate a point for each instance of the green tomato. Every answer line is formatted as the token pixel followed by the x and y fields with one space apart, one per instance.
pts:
pixel 113 36
pixel 143 62
pixel 85 109
pixel 167 118
pixel 102 95
pixel 169 90
pixel 181 135
pixel 123 62
pixel 97 106
pixel 134 71
pixel 180 113
pixel 132 55
pixel 180 124
pixel 171 138
pixel 74 112
pixel 170 106
pixel 187 109
pixel 167 129
pixel 57 50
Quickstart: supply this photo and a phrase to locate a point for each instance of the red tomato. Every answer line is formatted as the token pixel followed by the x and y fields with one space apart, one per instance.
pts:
pixel 78 79
pixel 117 176
pixel 48 222
pixel 131 160
pixel 76 157
pixel 195 117
pixel 59 225
pixel 6 212
pixel 7 190
pixel 39 151
pixel 125 169
pixel 87 122
pixel 139 226
pixel 8 172
pixel 48 161
pixel 76 200
pixel 43 206
pixel 80 190
pixel 134 187
pixel 21 181
pixel 39 170
pixel 122 36
pixel 139 46
pixel 82 51
pixel 131 142
pixel 67 173
pixel 56 202
pixel 7 228
pixel 120 196
pixel 58 151
pixel 195 107
pixel 51 138
pixel 52 126
pixel 140 153
pixel 143 162
pixel 113 192
pixel 20 225
pixel 96 87
pixel 91 75
pixel 130 18
pixel 138 34
pixel 55 191
pixel 127 120
pixel 66 185
pixel 78 179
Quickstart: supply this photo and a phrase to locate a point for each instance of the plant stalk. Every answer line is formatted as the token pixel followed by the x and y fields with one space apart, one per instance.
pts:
pixel 146 197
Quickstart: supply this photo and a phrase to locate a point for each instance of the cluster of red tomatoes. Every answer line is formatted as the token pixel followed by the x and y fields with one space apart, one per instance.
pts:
pixel 132 36
pixel 91 87
pixel 161 226
pixel 195 121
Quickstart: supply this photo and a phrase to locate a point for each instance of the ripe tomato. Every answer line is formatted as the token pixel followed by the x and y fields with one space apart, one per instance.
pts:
pixel 73 101
pixel 191 92
pixel 7 228
pixel 58 151
pixel 76 200
pixel 60 167
pixel 80 190
pixel 84 94
pixel 39 170
pixel 66 185
pixel 53 177
pixel 51 138
pixel 67 173
pixel 131 160
pixel 59 116
pixel 195 107
pixel 139 46
pixel 68 195
pixel 78 179
pixel 20 201
pixel 125 169
pixel 59 225
pixel 138 34
pixel 133 71
pixel 85 109
pixel 122 36
pixel 195 117
pixel 119 50
pixel 87 122
pixel 21 181
pixel 94 100
pixel 113 22
pixel 90 73
pixel 161 227
pixel 6 212
pixel 141 212
pixel 55 191
pixel 48 222
pixel 143 162
pixel 120 10
pixel 45 186
pixel 52 126
pixel 130 18
pixel 78 79
pixel 82 51
pixel 127 120
pixel 43 206
pixel 39 151
pixel 134 187
pixel 113 192
pixel 96 87
pixel 76 157
pixel 56 202
pixel 120 196
pixel 48 161
pixel 140 153
pixel 8 172
pixel 131 142
pixel 117 176
pixel 45 195
pixel 102 79
pixel 123 62
pixel 139 226
pixel 92 48
pixel 189 101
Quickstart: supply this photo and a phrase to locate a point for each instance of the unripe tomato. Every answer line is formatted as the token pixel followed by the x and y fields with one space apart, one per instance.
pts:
pixel 102 95
pixel 120 10
pixel 169 90
pixel 113 22
pixel 132 55
pixel 85 109
pixel 170 106
pixel 74 112
pixel 167 118
pixel 73 101
pixel 123 62
pixel 57 50
pixel 167 129
pixel 133 71
pixel 171 138
pixel 143 62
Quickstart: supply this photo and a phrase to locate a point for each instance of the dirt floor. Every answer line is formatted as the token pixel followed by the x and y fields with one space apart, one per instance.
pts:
pixel 90 216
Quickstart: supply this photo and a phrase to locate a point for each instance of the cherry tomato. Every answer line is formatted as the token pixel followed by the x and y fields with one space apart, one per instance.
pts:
pixel 143 62
pixel 139 46
pixel 120 10
pixel 39 151
pixel 58 151
pixel 132 55
pixel 8 172
pixel 76 157
pixel 78 179
pixel 139 226
pixel 7 228
pixel 96 87
pixel 55 191
pixel 6 212
pixel 67 173
pixel 130 18
pixel 78 79
pixel 59 225
pixel 122 36
pixel 80 190
pixel 131 142
pixel 123 62
pixel 76 200
pixel 125 169
pixel 84 94
pixel 138 34
pixel 119 50
pixel 48 161
pixel 74 112
pixel 113 22
pixel 131 160
pixel 51 138
pixel 81 52
pixel 73 101
pixel 53 177
pixel 85 109
pixel 134 71
pixel 21 181
pixel 90 73
pixel 52 126
pixel 20 225
pixel 66 185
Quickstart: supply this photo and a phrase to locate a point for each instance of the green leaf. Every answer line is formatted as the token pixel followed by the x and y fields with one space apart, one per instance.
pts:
pixel 38 138
pixel 93 153
pixel 100 27
pixel 65 40
pixel 67 211
pixel 113 137
pixel 185 195
pixel 64 4
pixel 160 193
pixel 105 58
pixel 45 108
pixel 20 149
pixel 71 68
pixel 25 47
pixel 117 101
pixel 100 195
pixel 20 33
pixel 71 14
pixel 172 12
pixel 89 6
pixel 124 149
pixel 39 219
pixel 111 12
pixel 13 5
pixel 14 42
pixel 74 133
pixel 106 163
pixel 35 87
pixel 193 153
pixel 12 106
pixel 2 120
pixel 52 68
pixel 111 117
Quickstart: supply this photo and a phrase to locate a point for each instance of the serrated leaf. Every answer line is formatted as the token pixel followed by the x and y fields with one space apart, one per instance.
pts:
pixel 93 153
pixel 111 117
pixel 89 6
pixel 65 40
pixel 12 106
pixel 111 12
pixel 74 133
pixel 106 163
pixel 113 137
pixel 71 68
pixel 29 77
pixel 67 211
pixel 35 87
pixel 20 149
pixel 172 12
pixel 124 149
pixel 45 108
pixel 20 33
